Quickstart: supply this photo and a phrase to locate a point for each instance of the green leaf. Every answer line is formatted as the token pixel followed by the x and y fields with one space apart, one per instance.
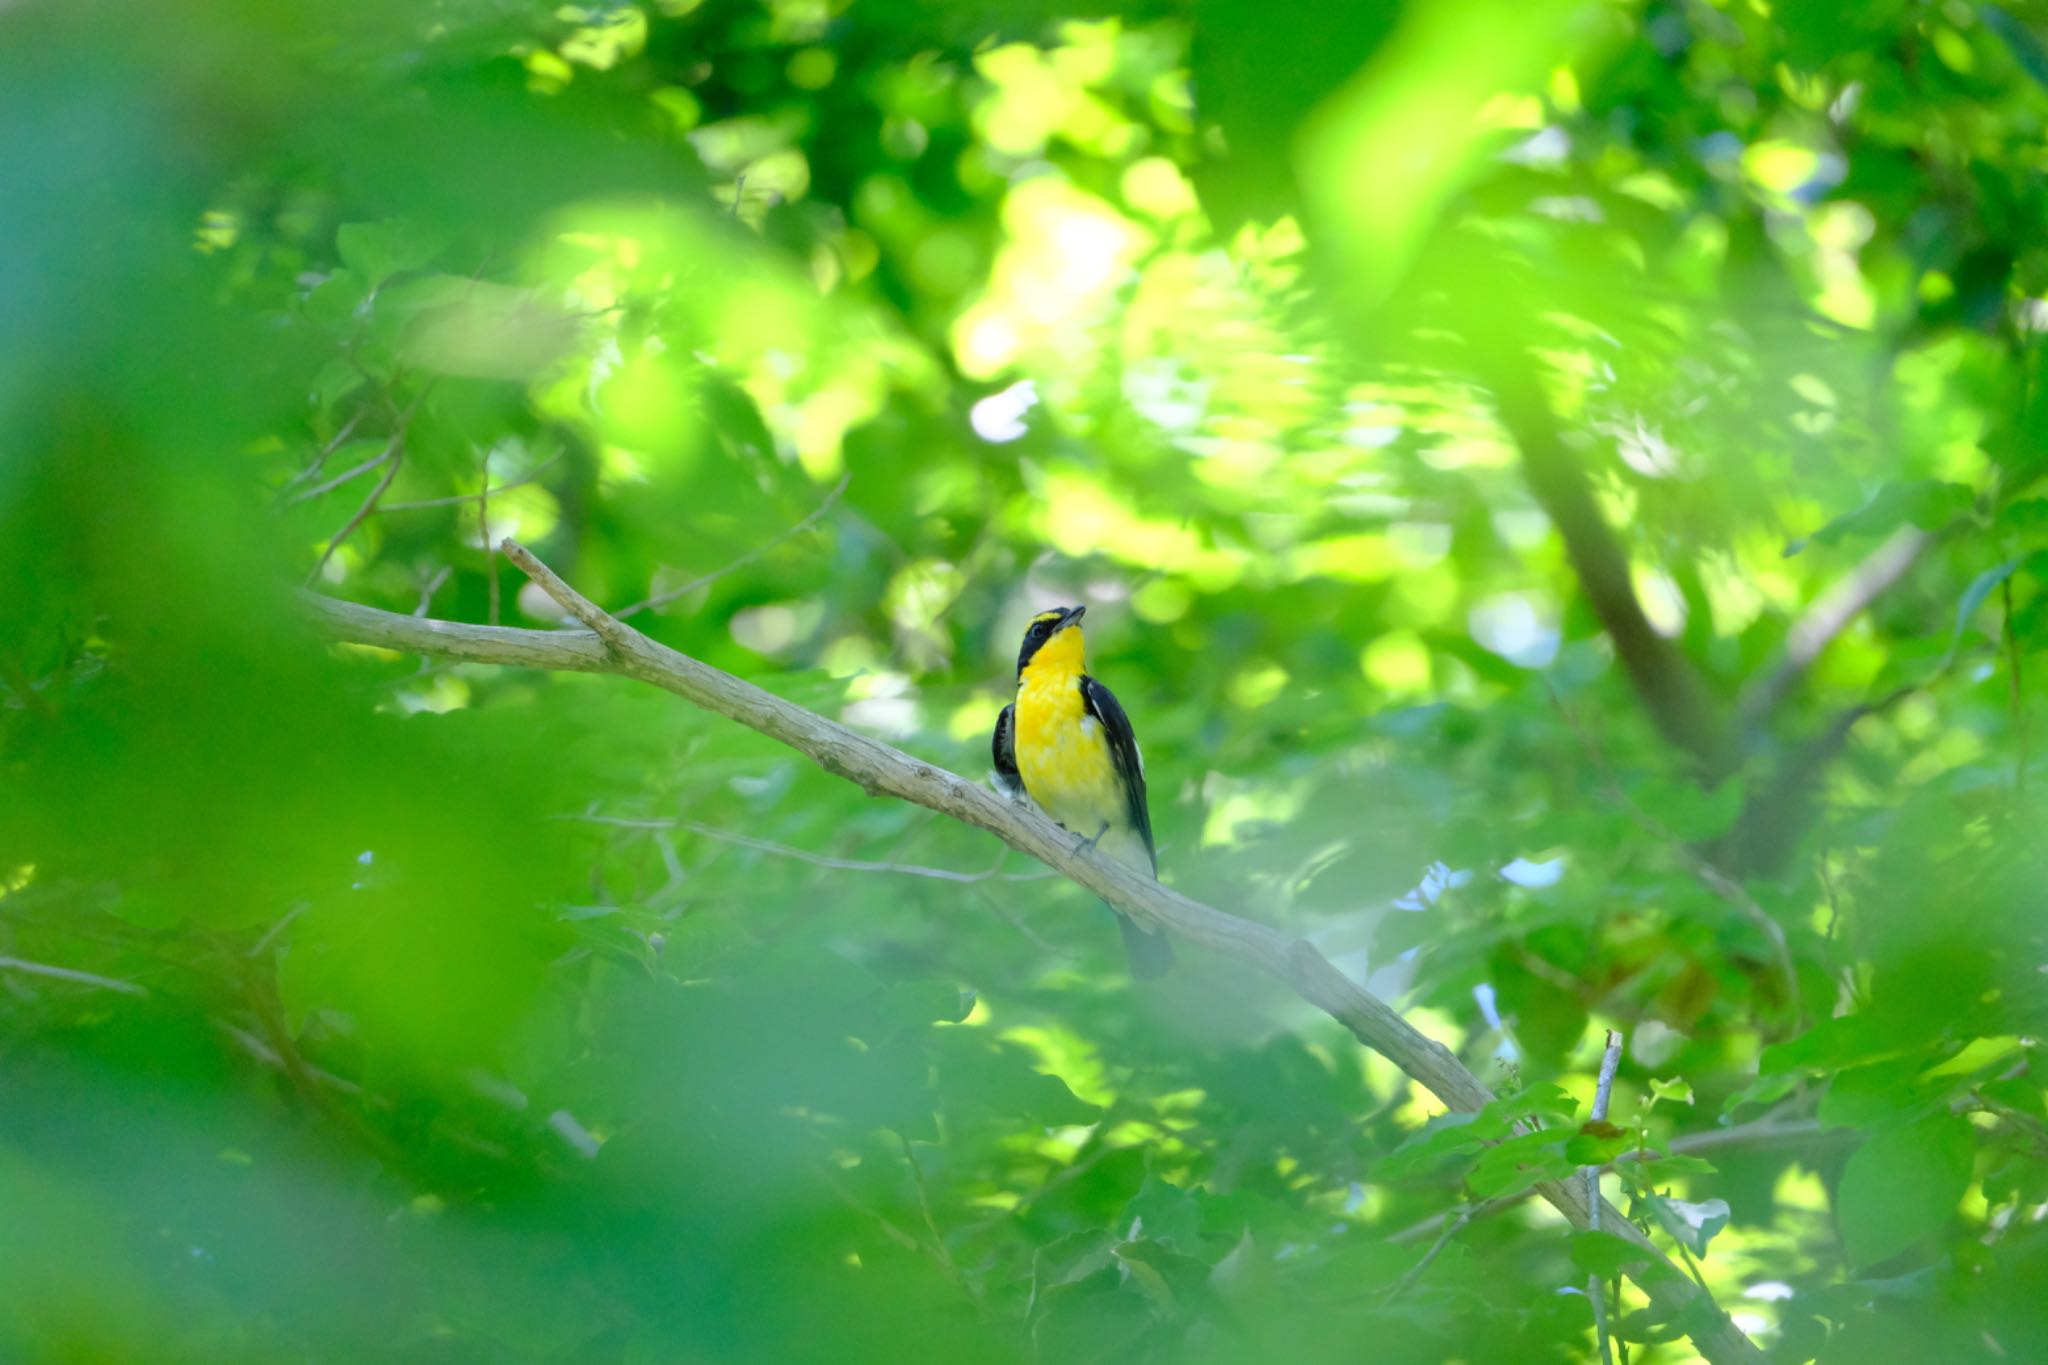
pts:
pixel 1679 1091
pixel 337 301
pixel 1973 598
pixel 1069 1259
pixel 912 1006
pixel 1901 1187
pixel 1093 1319
pixel 1461 1134
pixel 1417 122
pixel 1541 1100
pixel 1766 1089
pixel 1658 1167
pixel 1690 811
pixel 1519 1163
pixel 1693 1224
pixel 1596 1145
pixel 1447 1136
pixel 1605 1254
pixel 1164 1275
pixel 2027 517
pixel 2026 49
pixel 377 251
pixel 1645 1327
pixel 1879 1095
pixel 1926 503
pixel 1163 1212
pixel 1851 1040
pixel 336 380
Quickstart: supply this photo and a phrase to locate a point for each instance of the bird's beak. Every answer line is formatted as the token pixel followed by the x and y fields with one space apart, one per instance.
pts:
pixel 1072 618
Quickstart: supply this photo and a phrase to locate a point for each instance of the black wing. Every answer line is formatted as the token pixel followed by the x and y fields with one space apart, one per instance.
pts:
pixel 1003 748
pixel 1123 754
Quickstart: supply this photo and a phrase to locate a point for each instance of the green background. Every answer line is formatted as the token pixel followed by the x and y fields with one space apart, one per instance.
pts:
pixel 1463 423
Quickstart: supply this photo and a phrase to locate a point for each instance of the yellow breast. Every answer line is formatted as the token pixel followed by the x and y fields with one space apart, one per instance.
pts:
pixel 1064 759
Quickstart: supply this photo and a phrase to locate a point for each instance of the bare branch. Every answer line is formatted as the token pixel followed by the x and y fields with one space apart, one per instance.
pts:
pixel 105 983
pixel 394 453
pixel 817 859
pixel 483 530
pixel 1671 691
pixel 346 476
pixel 266 1054
pixel 1830 614
pixel 1610 1062
pixel 432 586
pixel 1777 814
pixel 662 599
pixel 482 495
pixel 320 456
pixel 396 456
pixel 880 769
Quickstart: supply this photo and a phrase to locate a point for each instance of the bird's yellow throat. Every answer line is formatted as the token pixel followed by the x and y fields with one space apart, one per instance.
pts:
pixel 1064 655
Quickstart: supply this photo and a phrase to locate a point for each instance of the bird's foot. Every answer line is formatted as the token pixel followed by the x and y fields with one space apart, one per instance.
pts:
pixel 1091 841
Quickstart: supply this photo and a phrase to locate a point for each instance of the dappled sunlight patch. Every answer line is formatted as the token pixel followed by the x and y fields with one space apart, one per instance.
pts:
pixel 1082 516
pixel 1057 1051
pixel 437 695
pixel 1162 601
pixel 1397 664
pixel 1255 685
pixel 815 368
pixel 776 628
pixel 1066 253
pixel 1238 810
pixel 1518 627
pixel 1364 558
pixel 1663 603
pixel 974 719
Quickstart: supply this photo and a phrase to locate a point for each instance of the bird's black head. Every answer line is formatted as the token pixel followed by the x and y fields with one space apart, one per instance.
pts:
pixel 1043 627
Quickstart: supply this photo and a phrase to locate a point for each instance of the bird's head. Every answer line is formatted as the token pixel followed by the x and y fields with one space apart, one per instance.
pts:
pixel 1053 637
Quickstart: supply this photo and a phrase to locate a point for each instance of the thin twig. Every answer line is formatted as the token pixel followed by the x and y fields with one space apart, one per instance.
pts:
pixel 1703 870
pixel 1003 913
pixel 320 456
pixel 481 495
pixel 662 599
pixel 610 646
pixel 346 476
pixel 432 586
pixel 1610 1062
pixel 259 990
pixel 931 1225
pixel 362 514
pixel 818 859
pixel 483 526
pixel 896 1234
pixel 1453 1224
pixel 395 452
pixel 266 1054
pixel 2015 684
pixel 105 983
pixel 284 921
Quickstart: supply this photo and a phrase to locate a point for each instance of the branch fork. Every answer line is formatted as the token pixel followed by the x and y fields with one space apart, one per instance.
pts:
pixel 608 645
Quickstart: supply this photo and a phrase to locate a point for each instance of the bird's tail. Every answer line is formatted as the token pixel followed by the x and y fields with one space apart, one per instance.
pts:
pixel 1151 956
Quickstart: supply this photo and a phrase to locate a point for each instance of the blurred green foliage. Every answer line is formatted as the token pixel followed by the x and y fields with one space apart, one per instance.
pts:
pixel 359 1007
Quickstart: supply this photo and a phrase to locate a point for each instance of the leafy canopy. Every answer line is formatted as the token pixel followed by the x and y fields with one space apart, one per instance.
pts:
pixel 1558 490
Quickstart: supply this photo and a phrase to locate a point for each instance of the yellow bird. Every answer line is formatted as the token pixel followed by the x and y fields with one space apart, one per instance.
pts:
pixel 1067 743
